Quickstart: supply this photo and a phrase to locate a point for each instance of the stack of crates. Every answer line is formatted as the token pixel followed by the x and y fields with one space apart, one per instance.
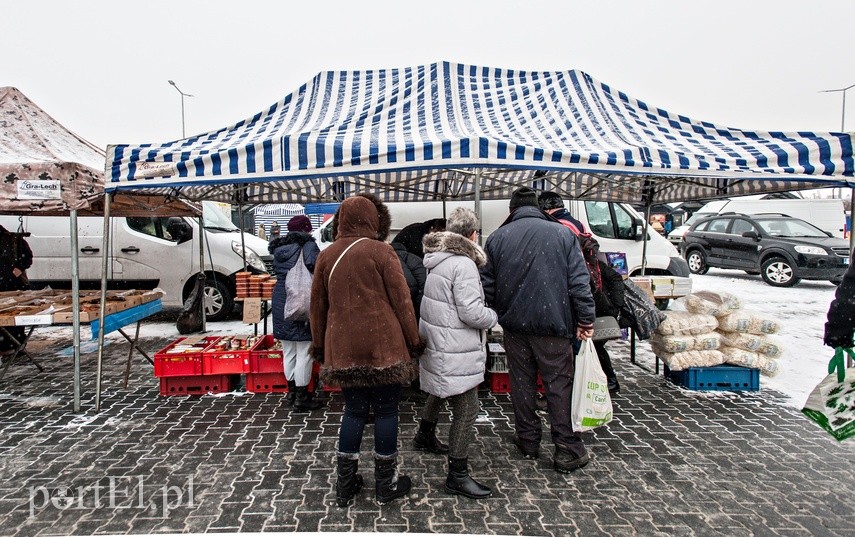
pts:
pixel 497 367
pixel 179 366
pixel 198 365
pixel 266 368
pixel 266 372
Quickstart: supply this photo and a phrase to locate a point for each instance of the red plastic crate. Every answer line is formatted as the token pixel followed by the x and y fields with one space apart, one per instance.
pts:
pixel 263 359
pixel 224 362
pixel 194 385
pixel 501 383
pixel 180 364
pixel 266 383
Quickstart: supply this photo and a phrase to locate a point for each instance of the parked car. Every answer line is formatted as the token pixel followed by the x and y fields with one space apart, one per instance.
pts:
pixel 782 249
pixel 826 214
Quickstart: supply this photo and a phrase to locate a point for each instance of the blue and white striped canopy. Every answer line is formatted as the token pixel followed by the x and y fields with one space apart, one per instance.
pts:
pixel 435 131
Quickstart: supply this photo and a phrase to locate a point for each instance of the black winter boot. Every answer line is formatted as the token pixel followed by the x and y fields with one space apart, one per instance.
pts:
pixel 305 400
pixel 565 461
pixel 292 393
pixel 349 483
pixel 459 481
pixel 388 484
pixel 608 369
pixel 426 439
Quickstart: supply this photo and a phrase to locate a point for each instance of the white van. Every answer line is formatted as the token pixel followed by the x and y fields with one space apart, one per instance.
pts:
pixel 826 214
pixel 616 226
pixel 147 253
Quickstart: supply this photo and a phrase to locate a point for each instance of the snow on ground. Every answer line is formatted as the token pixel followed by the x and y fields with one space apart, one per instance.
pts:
pixel 801 313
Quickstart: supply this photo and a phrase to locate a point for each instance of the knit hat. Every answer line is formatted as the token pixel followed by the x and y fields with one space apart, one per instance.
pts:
pixel 300 223
pixel 523 196
pixel 550 200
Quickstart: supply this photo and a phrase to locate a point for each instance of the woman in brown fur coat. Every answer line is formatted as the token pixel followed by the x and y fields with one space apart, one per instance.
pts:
pixel 364 332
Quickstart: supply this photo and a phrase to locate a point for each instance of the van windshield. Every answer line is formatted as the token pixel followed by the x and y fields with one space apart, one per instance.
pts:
pixel 214 217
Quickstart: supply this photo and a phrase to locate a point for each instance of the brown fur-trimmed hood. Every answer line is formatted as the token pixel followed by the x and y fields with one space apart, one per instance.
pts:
pixel 384 219
pixel 453 243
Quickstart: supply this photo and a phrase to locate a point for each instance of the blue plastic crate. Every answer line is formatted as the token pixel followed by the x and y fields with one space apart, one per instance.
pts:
pixel 722 378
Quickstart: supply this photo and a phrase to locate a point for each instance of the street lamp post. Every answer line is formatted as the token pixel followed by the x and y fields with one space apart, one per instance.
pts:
pixel 183 134
pixel 843 111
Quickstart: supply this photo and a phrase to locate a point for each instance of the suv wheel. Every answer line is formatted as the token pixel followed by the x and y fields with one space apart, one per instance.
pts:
pixel 218 300
pixel 697 262
pixel 778 272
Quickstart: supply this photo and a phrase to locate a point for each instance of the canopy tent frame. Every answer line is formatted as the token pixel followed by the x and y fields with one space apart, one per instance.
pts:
pixel 448 131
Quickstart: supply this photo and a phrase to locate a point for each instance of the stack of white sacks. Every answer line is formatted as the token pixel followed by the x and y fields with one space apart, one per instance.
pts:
pixel 714 330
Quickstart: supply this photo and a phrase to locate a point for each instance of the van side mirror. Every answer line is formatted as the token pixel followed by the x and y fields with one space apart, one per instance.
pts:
pixel 180 230
pixel 638 230
pixel 751 235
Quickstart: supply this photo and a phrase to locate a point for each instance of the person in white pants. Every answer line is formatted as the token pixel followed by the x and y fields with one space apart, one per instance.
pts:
pixel 296 246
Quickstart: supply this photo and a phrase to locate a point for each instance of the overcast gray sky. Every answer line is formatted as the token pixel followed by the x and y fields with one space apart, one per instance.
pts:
pixel 101 67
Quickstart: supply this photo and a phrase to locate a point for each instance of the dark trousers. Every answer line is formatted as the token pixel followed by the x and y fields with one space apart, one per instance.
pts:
pixel 383 401
pixel 554 358
pixel 464 410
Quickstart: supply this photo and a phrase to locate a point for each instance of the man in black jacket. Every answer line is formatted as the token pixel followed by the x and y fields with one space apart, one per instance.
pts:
pixel 536 280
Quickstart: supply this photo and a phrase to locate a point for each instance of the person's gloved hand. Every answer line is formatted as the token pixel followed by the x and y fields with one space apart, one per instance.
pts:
pixel 835 340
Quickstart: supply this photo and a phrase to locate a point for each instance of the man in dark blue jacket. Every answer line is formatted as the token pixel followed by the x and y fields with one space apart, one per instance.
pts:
pixel 536 280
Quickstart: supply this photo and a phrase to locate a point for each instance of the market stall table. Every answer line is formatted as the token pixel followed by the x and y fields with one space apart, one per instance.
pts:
pixel 47 314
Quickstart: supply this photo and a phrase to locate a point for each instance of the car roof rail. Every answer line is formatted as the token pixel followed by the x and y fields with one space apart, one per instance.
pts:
pixel 772 214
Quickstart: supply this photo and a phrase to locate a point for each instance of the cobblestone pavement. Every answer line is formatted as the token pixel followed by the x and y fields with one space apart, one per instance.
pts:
pixel 673 462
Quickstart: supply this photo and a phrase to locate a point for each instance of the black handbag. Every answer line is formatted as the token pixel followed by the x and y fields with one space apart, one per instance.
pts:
pixel 643 315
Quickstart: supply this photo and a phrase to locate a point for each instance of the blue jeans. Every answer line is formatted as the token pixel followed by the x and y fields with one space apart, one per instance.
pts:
pixel 383 400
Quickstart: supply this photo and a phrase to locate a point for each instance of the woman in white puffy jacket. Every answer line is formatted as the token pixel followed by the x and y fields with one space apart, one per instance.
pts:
pixel 453 323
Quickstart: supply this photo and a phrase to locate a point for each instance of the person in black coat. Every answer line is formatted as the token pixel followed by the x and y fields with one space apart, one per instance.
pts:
pixel 15 258
pixel 296 336
pixel 414 272
pixel 537 282
pixel 608 300
pixel 841 313
pixel 411 236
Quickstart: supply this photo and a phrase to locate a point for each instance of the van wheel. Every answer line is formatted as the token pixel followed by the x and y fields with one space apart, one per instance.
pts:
pixel 662 303
pixel 697 262
pixel 778 272
pixel 219 301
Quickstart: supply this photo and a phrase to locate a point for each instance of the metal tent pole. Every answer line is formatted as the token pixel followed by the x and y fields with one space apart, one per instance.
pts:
pixel 105 258
pixel 851 223
pixel 644 244
pixel 75 307
pixel 242 240
pixel 202 238
pixel 478 204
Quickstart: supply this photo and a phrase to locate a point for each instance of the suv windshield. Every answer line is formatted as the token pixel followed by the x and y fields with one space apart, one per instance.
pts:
pixel 789 227
pixel 214 217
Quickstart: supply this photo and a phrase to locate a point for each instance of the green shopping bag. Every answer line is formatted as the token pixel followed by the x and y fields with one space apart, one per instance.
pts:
pixel 832 403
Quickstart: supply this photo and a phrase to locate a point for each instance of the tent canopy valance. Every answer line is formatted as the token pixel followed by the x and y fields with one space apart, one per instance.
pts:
pixel 427 133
